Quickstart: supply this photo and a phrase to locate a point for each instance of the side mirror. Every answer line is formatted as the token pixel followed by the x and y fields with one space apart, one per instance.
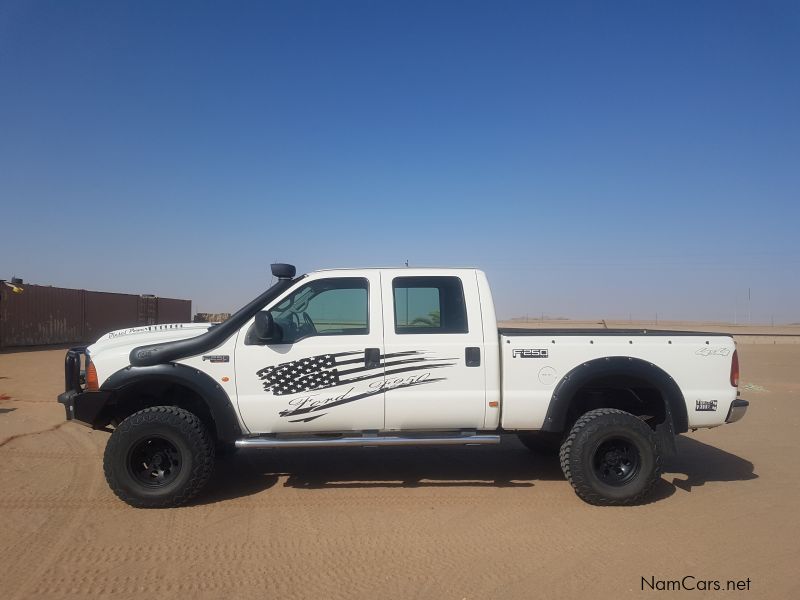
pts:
pixel 265 328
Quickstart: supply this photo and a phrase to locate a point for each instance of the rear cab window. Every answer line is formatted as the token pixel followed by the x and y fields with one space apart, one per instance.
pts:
pixel 429 304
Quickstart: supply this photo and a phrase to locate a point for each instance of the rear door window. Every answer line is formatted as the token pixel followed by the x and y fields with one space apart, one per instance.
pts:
pixel 429 304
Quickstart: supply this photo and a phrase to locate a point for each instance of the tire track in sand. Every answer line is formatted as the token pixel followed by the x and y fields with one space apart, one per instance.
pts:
pixel 17 436
pixel 29 561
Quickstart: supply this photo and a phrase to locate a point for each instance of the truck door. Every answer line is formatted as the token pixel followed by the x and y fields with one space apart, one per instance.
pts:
pixel 326 372
pixel 433 333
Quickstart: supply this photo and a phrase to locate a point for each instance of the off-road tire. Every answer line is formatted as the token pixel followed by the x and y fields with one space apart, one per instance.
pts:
pixel 168 437
pixel 598 435
pixel 541 442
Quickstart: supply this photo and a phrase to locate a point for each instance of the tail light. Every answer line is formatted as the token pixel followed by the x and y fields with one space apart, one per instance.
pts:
pixel 92 384
pixel 735 369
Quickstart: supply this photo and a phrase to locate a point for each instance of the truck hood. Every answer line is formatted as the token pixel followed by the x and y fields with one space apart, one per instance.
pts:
pixel 123 341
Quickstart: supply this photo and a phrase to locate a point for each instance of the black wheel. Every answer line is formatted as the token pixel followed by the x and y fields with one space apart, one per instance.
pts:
pixel 611 458
pixel 158 457
pixel 541 442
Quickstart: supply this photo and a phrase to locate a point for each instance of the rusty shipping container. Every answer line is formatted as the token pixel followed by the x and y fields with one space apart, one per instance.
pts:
pixel 170 310
pixel 40 315
pixel 147 310
pixel 106 312
pixel 43 315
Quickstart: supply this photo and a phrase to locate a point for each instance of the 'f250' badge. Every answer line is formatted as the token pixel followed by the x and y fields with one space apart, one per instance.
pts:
pixel 529 353
pixel 217 358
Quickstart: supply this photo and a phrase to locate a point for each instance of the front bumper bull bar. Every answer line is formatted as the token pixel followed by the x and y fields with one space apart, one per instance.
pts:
pixel 80 405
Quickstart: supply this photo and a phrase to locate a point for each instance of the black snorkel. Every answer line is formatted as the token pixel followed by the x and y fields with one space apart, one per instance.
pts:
pixel 155 354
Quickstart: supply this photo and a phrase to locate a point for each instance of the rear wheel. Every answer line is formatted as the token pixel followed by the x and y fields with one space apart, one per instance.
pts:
pixel 611 458
pixel 158 457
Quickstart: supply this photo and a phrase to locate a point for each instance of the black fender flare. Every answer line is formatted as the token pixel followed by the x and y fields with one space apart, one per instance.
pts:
pixel 564 392
pixel 226 423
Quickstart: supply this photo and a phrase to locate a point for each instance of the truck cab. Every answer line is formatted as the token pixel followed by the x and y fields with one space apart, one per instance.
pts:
pixel 371 350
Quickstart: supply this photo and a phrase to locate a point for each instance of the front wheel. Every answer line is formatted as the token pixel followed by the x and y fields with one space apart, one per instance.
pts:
pixel 158 457
pixel 611 458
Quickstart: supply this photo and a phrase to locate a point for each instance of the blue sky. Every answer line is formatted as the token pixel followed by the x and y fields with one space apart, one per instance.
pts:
pixel 595 159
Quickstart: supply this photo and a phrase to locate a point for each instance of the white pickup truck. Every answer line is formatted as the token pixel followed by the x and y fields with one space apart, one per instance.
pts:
pixel 380 357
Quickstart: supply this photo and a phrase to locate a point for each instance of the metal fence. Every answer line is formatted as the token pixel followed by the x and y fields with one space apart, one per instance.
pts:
pixel 43 315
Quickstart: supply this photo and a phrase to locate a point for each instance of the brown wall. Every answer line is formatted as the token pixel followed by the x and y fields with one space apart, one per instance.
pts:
pixel 43 315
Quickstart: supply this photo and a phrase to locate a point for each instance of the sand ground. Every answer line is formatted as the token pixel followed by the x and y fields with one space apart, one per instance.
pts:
pixel 485 522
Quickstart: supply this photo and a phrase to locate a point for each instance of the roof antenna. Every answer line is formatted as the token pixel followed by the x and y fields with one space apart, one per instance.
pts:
pixel 406 262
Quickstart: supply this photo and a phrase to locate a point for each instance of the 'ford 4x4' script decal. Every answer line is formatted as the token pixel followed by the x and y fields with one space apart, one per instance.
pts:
pixel 311 375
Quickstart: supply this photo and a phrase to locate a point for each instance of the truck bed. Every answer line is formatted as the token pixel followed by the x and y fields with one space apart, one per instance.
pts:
pixel 537 363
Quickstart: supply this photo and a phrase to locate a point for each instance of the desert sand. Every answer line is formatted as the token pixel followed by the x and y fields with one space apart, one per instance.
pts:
pixel 484 522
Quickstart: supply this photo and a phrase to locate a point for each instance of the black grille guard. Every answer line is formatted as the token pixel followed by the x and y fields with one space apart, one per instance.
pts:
pixel 75 369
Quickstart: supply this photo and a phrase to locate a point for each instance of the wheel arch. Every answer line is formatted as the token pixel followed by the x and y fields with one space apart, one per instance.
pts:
pixel 208 399
pixel 605 368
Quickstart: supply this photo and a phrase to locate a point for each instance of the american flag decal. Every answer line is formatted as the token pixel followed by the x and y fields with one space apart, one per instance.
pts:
pixel 329 370
pixel 303 375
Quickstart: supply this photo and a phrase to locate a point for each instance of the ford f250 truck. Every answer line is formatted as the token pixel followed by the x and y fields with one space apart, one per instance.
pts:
pixel 392 357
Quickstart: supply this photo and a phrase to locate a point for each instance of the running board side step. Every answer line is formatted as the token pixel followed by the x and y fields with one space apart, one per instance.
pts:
pixel 366 441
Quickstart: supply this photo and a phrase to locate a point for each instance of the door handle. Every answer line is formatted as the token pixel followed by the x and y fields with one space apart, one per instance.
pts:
pixel 472 356
pixel 372 358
